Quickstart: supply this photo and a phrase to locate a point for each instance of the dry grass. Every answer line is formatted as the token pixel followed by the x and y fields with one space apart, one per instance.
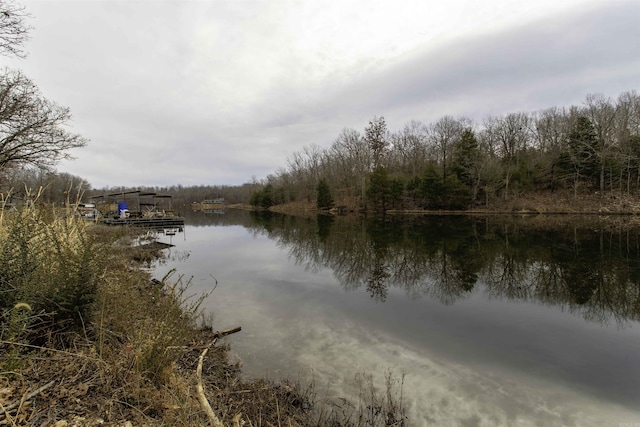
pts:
pixel 127 349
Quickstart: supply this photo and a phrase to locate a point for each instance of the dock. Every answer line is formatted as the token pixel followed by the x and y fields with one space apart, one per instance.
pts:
pixel 157 222
pixel 138 209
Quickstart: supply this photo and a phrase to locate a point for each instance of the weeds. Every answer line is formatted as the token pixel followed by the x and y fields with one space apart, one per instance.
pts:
pixel 87 337
pixel 50 263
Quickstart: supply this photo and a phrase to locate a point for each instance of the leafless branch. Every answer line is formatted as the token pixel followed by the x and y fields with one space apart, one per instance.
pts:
pixel 13 30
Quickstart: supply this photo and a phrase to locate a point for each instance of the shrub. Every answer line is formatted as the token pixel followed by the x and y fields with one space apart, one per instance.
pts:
pixel 52 264
pixel 324 199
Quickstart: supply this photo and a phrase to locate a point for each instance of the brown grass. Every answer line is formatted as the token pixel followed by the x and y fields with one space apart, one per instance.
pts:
pixel 134 358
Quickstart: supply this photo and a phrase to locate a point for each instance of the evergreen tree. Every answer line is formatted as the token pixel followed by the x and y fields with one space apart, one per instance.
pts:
pixel 263 197
pixel 466 157
pixel 413 189
pixel 256 198
pixel 267 197
pixel 455 194
pixel 582 146
pixel 397 188
pixel 431 187
pixel 324 199
pixel 380 191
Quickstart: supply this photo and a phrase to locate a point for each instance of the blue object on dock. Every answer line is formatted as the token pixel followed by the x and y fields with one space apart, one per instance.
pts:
pixel 122 206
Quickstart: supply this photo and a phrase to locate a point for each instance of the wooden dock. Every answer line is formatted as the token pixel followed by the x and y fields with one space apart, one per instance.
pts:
pixel 138 209
pixel 156 222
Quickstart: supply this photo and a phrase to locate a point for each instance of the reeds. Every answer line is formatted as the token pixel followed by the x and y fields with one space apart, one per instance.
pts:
pixel 50 263
pixel 74 309
pixel 87 338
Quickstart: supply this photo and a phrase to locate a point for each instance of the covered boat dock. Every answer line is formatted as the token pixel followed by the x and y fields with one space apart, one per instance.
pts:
pixel 139 208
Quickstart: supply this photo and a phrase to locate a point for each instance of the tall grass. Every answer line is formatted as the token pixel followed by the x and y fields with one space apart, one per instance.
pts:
pixel 77 313
pixel 71 297
pixel 50 264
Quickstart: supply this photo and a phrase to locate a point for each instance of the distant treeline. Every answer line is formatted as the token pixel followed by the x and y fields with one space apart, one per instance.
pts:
pixel 455 163
pixel 20 183
pixel 60 188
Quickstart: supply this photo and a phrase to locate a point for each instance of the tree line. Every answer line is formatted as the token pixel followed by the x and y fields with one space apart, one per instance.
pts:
pixel 455 163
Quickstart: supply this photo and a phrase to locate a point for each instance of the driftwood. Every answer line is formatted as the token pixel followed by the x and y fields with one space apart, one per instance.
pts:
pixel 26 397
pixel 220 334
pixel 213 419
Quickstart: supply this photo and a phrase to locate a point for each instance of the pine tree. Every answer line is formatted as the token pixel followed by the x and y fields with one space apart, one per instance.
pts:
pixel 324 199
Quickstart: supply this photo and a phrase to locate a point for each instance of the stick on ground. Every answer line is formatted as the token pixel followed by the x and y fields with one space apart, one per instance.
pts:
pixel 26 397
pixel 213 419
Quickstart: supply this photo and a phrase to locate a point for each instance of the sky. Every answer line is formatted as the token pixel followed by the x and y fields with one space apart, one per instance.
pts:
pixel 223 92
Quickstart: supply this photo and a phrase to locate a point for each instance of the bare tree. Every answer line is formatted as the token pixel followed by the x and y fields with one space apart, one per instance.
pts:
pixel 627 129
pixel 352 157
pixel 32 129
pixel 13 30
pixel 602 114
pixel 376 136
pixel 550 129
pixel 510 135
pixel 410 148
pixel 444 134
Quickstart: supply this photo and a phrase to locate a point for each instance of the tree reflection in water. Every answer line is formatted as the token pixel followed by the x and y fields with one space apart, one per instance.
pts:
pixel 589 266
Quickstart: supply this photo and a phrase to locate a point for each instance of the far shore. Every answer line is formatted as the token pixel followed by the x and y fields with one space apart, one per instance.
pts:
pixel 536 204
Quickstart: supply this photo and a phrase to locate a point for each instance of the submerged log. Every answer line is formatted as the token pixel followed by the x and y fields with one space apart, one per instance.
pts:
pixel 220 334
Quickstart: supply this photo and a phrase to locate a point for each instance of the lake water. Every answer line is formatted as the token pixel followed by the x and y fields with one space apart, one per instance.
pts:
pixel 492 321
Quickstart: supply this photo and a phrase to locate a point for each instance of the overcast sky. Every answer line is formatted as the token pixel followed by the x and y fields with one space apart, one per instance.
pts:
pixel 217 92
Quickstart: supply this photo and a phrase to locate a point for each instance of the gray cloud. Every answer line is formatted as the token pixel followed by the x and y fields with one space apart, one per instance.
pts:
pixel 552 62
pixel 218 92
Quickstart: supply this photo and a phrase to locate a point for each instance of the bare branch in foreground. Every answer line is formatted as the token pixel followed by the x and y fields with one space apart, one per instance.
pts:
pixel 213 419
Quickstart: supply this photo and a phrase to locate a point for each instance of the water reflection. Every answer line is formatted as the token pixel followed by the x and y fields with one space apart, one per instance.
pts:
pixel 485 330
pixel 588 267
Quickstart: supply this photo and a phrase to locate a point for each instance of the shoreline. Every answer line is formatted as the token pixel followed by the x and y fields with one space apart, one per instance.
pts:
pixel 532 204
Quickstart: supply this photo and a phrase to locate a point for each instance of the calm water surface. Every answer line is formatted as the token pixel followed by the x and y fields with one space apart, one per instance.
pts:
pixel 493 321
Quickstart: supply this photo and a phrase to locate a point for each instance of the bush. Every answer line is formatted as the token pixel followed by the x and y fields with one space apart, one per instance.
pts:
pixel 51 264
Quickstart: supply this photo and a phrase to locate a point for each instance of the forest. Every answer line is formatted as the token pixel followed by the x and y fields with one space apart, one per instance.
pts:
pixel 456 163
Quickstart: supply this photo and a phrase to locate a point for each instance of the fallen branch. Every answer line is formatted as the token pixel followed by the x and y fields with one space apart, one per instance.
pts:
pixel 213 419
pixel 26 397
pixel 220 334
